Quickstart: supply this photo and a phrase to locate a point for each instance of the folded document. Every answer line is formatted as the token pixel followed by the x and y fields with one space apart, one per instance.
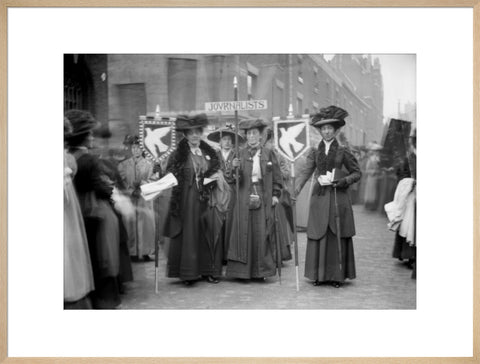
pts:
pixel 153 189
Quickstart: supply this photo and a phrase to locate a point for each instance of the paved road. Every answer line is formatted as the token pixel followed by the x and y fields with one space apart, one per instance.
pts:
pixel 382 282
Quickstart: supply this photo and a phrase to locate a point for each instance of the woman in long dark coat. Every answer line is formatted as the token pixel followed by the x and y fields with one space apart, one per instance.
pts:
pixel 322 256
pixel 190 256
pixel 252 255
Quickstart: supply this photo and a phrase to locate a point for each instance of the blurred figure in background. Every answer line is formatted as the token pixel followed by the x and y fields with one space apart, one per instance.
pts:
pixel 362 162
pixel 405 246
pixel 134 172
pixel 354 190
pixel 160 207
pixel 78 276
pixel 123 207
pixel 372 170
pixel 94 189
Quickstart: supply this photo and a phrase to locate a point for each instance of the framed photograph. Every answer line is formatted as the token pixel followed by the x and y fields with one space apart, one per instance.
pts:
pixel 241 183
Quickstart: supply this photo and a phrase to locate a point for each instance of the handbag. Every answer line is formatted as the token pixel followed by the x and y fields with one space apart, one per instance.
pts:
pixel 255 201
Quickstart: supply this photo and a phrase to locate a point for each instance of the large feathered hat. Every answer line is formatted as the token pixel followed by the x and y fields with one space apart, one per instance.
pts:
pixel 332 115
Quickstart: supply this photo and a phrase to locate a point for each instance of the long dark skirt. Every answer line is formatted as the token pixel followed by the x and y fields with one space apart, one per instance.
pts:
pixel 103 241
pixel 260 260
pixel 189 255
pixel 285 234
pixel 321 262
pixel 402 250
pixel 227 227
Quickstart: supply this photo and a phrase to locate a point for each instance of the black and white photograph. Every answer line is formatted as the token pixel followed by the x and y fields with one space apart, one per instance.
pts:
pixel 240 181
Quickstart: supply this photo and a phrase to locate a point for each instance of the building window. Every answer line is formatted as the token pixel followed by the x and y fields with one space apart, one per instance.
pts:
pixel 251 85
pixel 278 109
pixel 72 96
pixel 299 70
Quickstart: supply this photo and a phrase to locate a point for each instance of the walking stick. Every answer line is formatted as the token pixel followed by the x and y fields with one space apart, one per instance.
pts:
pixel 156 266
pixel 277 244
pixel 337 223
pixel 136 207
pixel 157 231
pixel 237 182
pixel 294 209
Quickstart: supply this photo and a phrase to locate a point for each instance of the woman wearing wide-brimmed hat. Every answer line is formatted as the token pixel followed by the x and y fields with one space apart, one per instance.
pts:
pixel 322 264
pixel 134 172
pixel 225 137
pixel 189 255
pixel 250 255
pixel 94 189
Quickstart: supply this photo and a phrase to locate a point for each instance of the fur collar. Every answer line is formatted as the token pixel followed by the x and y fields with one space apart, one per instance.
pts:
pixel 177 163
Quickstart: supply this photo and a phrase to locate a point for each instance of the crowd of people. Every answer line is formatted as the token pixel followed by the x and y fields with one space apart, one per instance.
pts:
pixel 385 188
pixel 228 214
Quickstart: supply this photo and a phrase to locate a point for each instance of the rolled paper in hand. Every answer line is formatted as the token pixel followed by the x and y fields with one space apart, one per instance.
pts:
pixel 153 189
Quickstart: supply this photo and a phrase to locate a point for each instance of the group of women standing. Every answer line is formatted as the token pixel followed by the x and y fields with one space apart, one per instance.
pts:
pixel 209 225
pixel 96 255
pixel 108 224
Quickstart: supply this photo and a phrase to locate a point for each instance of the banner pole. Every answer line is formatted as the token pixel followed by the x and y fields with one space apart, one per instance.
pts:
pixel 294 209
pixel 237 155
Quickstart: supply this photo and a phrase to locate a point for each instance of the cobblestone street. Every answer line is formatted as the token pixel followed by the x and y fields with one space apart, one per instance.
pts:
pixel 382 282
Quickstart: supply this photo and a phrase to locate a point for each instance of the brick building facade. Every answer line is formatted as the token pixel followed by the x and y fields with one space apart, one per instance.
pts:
pixel 117 88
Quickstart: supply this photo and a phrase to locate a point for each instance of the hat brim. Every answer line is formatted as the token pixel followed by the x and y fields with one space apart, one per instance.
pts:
pixel 256 126
pixel 84 129
pixel 216 136
pixel 190 127
pixel 335 122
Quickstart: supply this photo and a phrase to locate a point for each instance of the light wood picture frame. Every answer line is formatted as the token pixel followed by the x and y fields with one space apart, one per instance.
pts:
pixel 6 4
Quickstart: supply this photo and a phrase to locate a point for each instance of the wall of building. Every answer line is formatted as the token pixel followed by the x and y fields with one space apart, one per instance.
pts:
pixel 182 83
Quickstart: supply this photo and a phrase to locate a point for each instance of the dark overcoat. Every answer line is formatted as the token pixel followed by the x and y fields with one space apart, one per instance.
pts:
pixel 272 185
pixel 322 205
pixel 180 166
pixel 189 254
